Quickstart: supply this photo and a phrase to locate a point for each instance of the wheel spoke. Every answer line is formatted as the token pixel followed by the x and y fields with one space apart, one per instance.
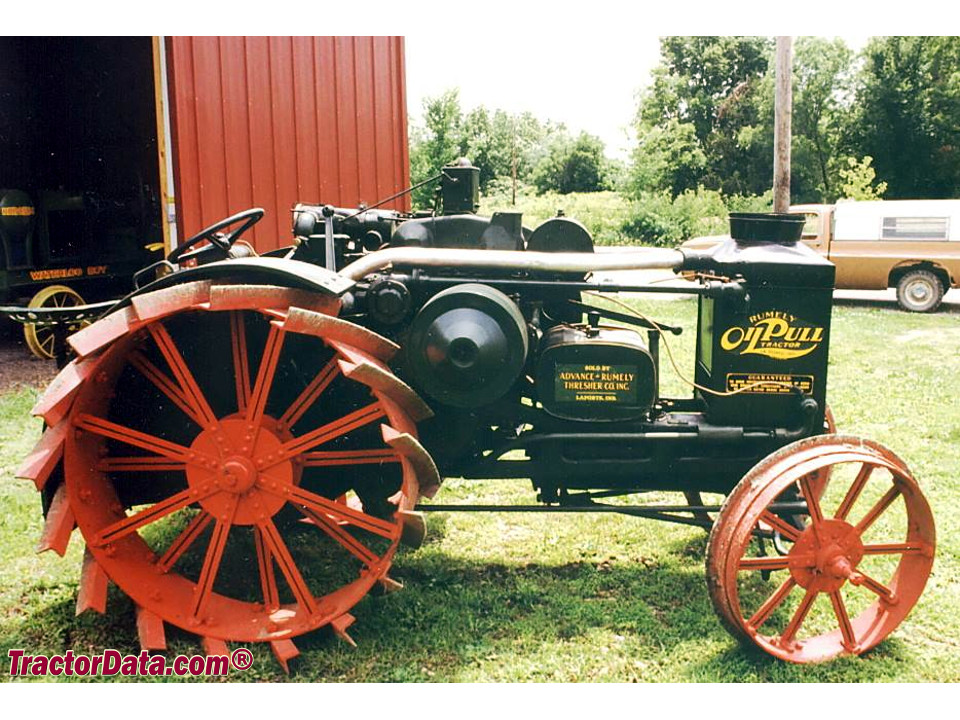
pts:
pixel 47 344
pixel 874 586
pixel 846 628
pixel 790 632
pixel 241 365
pixel 127 435
pixel 813 502
pixel 328 432
pixel 772 603
pixel 326 458
pixel 348 541
pixel 265 373
pixel 341 512
pixel 311 392
pixel 155 512
pixel 140 464
pixel 908 548
pixel 780 525
pixel 200 522
pixel 776 563
pixel 212 560
pixel 268 579
pixel 854 492
pixel 152 373
pixel 278 548
pixel 878 509
pixel 191 391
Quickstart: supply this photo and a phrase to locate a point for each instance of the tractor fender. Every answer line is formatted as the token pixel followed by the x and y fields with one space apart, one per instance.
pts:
pixel 282 272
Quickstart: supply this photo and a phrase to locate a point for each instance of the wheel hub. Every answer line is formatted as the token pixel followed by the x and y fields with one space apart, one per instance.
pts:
pixel 240 474
pixel 919 292
pixel 240 448
pixel 826 556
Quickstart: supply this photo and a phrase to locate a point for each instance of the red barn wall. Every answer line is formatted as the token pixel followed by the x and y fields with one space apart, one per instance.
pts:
pixel 270 122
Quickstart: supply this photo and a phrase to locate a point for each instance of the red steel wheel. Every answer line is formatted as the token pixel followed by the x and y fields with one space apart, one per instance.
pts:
pixel 212 431
pixel 855 567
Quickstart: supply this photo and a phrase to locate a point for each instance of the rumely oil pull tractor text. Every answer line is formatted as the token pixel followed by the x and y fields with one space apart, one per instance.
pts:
pixel 244 441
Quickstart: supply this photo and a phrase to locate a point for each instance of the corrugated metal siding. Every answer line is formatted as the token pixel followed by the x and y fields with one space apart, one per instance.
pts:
pixel 273 121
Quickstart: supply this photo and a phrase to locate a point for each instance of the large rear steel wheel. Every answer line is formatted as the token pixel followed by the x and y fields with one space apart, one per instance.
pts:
pixel 857 561
pixel 239 461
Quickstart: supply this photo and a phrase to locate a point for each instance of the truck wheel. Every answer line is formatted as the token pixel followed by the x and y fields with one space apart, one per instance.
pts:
pixel 40 338
pixel 919 291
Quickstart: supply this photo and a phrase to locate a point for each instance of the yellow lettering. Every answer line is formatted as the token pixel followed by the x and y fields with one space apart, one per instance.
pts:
pixel 726 340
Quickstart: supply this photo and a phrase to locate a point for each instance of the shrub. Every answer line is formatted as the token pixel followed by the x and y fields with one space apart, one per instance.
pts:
pixel 653 219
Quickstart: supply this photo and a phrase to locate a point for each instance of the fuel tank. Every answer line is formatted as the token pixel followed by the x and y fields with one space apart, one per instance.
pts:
pixel 762 355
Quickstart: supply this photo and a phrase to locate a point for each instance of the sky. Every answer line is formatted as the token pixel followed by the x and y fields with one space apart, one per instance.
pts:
pixel 589 81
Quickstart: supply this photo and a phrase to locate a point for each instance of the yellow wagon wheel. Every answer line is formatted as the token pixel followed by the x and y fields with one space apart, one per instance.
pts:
pixel 41 339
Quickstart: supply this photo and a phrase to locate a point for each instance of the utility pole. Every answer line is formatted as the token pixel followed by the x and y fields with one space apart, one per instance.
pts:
pixel 513 161
pixel 781 132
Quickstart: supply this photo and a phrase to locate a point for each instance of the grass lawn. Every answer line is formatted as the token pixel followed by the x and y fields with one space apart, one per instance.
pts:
pixel 564 597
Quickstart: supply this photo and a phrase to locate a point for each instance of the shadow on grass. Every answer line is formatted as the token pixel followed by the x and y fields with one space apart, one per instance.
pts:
pixel 460 619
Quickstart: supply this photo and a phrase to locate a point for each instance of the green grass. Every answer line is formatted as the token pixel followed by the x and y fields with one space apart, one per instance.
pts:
pixel 573 597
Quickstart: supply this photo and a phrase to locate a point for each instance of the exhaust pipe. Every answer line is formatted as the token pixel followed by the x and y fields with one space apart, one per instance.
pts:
pixel 544 262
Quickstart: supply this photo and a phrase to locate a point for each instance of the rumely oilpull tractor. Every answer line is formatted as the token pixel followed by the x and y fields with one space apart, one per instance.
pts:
pixel 245 441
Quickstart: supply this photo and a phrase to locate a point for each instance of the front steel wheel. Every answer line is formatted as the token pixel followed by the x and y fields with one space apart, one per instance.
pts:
pixel 856 562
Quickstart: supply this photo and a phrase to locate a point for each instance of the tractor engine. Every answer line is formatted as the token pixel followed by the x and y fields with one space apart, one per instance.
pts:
pixel 508 355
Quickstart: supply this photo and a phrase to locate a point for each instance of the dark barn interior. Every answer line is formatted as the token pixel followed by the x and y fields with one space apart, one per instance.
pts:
pixel 78 137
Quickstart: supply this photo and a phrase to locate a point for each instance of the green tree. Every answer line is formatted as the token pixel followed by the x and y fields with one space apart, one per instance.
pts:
pixel 497 142
pixel 572 165
pixel 858 180
pixel 668 156
pixel 822 94
pixel 476 143
pixel 906 114
pixel 821 108
pixel 436 143
pixel 708 117
pixel 710 83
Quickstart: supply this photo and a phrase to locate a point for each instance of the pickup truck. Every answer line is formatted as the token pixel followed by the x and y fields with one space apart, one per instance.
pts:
pixel 910 245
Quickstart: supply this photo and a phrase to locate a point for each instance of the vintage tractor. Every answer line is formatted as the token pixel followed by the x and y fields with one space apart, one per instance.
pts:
pixel 245 440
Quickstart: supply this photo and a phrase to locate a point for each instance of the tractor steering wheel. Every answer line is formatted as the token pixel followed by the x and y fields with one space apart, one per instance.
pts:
pixel 212 235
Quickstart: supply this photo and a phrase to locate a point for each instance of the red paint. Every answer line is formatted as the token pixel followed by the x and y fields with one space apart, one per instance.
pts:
pixel 270 122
